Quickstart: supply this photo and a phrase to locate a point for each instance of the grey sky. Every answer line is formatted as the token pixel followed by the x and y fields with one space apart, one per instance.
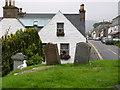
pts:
pixel 95 9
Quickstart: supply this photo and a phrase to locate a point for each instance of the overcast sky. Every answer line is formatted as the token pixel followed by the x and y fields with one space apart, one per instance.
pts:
pixel 98 10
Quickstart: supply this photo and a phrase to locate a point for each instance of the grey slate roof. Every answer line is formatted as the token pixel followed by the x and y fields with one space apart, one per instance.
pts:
pixel 100 27
pixel 73 18
pixel 116 21
pixel 39 15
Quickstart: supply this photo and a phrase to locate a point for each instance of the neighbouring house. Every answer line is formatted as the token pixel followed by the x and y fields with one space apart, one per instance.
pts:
pixel 10 23
pixel 101 30
pixel 93 34
pixel 98 31
pixel 114 30
pixel 36 20
pixel 10 26
pixel 104 30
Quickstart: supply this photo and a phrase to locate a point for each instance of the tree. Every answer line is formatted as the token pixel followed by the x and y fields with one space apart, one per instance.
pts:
pixel 27 42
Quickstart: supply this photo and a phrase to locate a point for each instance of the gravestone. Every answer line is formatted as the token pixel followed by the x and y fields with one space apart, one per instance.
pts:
pixel 51 54
pixel 16 64
pixel 18 60
pixel 82 53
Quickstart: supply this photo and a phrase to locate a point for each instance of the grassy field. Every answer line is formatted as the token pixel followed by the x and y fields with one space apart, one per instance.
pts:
pixel 96 74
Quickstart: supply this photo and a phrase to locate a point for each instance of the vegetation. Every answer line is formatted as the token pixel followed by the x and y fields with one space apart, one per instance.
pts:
pixel 117 43
pixel 28 42
pixel 99 23
pixel 96 74
pixel 64 56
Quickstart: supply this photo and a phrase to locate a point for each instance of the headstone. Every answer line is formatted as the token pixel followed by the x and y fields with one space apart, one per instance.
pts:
pixel 82 53
pixel 51 54
pixel 16 64
pixel 18 60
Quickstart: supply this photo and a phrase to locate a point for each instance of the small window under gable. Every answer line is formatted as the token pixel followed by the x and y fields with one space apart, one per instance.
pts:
pixel 60 29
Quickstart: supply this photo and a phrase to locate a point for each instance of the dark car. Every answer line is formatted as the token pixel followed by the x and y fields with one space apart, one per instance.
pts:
pixel 108 41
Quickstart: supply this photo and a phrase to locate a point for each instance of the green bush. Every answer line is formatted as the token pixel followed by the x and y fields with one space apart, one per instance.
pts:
pixel 36 59
pixel 117 43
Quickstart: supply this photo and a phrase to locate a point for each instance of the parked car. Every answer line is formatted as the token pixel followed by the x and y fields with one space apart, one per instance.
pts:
pixel 108 41
pixel 97 38
pixel 103 39
pixel 90 38
pixel 116 39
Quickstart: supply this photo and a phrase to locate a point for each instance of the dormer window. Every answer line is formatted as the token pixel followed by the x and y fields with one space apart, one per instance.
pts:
pixel 60 29
pixel 35 24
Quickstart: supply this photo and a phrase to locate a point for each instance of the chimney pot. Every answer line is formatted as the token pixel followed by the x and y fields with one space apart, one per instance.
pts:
pixel 82 7
pixel 13 2
pixel 9 2
pixel 6 2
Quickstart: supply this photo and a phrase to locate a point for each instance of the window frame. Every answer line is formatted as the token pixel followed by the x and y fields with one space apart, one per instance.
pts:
pixel 67 50
pixel 60 29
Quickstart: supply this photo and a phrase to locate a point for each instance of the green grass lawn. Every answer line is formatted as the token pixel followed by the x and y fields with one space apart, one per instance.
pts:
pixel 96 74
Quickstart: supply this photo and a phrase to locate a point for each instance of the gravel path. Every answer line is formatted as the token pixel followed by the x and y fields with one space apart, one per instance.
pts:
pixel 33 70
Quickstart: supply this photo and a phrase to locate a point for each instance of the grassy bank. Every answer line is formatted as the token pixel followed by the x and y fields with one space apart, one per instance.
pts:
pixel 96 74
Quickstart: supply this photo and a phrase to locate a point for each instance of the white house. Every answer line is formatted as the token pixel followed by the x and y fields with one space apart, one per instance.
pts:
pixel 114 30
pixel 68 41
pixel 93 33
pixel 9 25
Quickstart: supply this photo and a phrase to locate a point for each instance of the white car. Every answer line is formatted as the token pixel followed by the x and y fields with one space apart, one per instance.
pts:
pixel 97 38
pixel 103 39
pixel 116 39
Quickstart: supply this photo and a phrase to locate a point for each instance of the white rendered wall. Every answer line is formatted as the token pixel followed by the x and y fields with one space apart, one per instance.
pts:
pixel 93 34
pixel 72 35
pixel 9 23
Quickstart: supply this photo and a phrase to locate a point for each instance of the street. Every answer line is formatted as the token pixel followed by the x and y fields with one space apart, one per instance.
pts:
pixel 108 52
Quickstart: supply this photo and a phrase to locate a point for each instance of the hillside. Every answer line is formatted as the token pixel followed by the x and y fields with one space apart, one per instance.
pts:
pixel 89 25
pixel 96 74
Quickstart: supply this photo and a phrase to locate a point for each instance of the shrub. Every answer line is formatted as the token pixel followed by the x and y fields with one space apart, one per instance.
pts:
pixel 117 43
pixel 36 59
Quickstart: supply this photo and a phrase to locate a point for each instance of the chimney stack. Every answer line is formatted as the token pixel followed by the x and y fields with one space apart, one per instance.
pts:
pixel 9 2
pixel 82 12
pixel 6 2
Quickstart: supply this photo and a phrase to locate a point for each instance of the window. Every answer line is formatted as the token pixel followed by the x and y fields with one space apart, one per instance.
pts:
pixel 43 44
pixel 64 48
pixel 60 29
pixel 35 24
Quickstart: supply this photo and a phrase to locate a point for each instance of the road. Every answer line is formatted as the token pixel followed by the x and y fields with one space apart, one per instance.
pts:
pixel 108 52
